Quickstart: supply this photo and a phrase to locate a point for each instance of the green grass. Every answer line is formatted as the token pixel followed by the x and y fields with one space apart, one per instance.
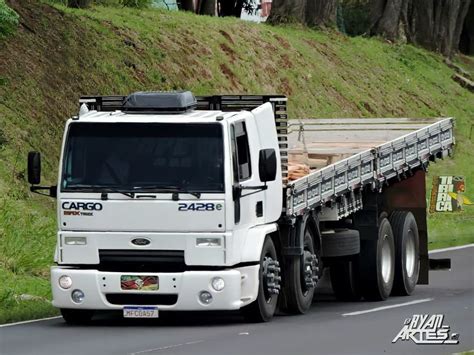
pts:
pixel 64 53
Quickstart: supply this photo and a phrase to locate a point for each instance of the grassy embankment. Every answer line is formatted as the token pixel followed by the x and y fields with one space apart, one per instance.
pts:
pixel 59 53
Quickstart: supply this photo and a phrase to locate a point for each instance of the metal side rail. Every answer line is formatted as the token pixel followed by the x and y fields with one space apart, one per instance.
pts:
pixel 341 182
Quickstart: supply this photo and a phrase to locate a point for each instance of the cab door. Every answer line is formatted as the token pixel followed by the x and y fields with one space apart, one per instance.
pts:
pixel 248 204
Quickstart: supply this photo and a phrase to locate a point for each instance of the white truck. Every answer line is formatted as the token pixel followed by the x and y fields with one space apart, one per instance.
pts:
pixel 167 202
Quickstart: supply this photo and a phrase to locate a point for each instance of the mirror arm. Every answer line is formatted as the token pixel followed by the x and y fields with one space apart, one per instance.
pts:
pixel 51 189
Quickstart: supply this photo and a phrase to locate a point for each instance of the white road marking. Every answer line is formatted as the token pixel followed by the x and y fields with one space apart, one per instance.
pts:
pixel 244 333
pixel 451 248
pixel 167 347
pixel 388 307
pixel 28 321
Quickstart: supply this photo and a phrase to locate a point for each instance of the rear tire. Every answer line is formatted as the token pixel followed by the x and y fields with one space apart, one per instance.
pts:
pixel 77 316
pixel 300 295
pixel 345 280
pixel 264 307
pixel 377 263
pixel 407 252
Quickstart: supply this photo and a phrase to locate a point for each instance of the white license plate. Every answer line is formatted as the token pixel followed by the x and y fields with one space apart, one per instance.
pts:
pixel 140 312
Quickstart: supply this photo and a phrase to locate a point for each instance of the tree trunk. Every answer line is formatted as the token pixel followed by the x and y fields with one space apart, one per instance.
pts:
pixel 287 11
pixel 307 12
pixel 239 4
pixel 436 24
pixel 187 5
pixel 321 13
pixel 466 44
pixel 207 7
pixel 385 18
pixel 79 4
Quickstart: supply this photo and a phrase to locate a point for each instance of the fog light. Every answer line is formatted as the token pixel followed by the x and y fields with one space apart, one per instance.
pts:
pixel 77 296
pixel 205 297
pixel 218 283
pixel 75 240
pixel 208 242
pixel 65 282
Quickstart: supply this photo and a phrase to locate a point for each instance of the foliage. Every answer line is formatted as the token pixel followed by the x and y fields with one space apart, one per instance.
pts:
pixel 8 20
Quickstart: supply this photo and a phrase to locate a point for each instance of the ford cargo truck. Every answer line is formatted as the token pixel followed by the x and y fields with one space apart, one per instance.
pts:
pixel 170 202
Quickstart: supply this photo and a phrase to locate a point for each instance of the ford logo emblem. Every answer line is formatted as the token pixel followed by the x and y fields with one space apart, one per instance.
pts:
pixel 141 242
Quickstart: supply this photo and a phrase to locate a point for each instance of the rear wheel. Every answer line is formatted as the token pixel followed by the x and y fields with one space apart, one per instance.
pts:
pixel 377 263
pixel 345 280
pixel 303 272
pixel 264 307
pixel 77 316
pixel 407 252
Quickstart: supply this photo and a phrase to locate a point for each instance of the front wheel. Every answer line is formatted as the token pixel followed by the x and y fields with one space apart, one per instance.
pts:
pixel 303 273
pixel 77 316
pixel 264 307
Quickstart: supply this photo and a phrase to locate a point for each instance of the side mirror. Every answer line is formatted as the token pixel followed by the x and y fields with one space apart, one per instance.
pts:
pixel 267 165
pixel 34 168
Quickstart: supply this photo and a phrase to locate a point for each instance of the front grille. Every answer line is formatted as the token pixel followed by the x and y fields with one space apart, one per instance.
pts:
pixel 142 260
pixel 141 299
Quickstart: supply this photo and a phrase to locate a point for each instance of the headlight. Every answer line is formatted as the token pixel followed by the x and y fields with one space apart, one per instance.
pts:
pixel 65 282
pixel 218 283
pixel 208 242
pixel 75 240
pixel 77 296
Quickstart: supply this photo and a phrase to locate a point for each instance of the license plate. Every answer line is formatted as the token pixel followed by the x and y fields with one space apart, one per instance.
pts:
pixel 140 312
pixel 139 283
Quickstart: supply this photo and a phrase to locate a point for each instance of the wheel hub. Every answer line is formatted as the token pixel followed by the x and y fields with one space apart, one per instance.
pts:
pixel 271 276
pixel 311 269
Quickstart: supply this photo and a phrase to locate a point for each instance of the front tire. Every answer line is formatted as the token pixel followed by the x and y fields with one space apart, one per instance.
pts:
pixel 377 263
pixel 407 252
pixel 303 274
pixel 264 307
pixel 77 316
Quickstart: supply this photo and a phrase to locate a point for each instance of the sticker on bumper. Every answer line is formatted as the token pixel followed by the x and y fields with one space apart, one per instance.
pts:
pixel 139 282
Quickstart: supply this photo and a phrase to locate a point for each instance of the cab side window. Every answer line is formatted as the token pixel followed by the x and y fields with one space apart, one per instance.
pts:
pixel 241 152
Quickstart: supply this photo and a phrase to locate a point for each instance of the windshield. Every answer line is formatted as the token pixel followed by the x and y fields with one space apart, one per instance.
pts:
pixel 138 156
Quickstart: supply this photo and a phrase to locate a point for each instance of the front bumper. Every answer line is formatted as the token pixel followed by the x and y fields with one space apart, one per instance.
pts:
pixel 241 288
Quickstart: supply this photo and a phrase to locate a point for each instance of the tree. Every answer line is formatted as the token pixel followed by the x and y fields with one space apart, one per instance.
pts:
pixel 466 44
pixel 385 18
pixel 433 24
pixel 186 5
pixel 321 13
pixel 80 4
pixel 232 7
pixel 207 7
pixel 308 12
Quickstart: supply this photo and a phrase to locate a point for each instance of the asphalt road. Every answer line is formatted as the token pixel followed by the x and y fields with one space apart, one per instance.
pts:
pixel 329 328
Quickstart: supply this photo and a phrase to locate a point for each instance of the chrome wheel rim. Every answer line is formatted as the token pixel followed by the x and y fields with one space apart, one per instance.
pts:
pixel 410 254
pixel 386 261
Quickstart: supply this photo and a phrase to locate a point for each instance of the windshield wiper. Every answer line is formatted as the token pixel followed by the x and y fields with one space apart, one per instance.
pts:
pixel 167 188
pixel 104 190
